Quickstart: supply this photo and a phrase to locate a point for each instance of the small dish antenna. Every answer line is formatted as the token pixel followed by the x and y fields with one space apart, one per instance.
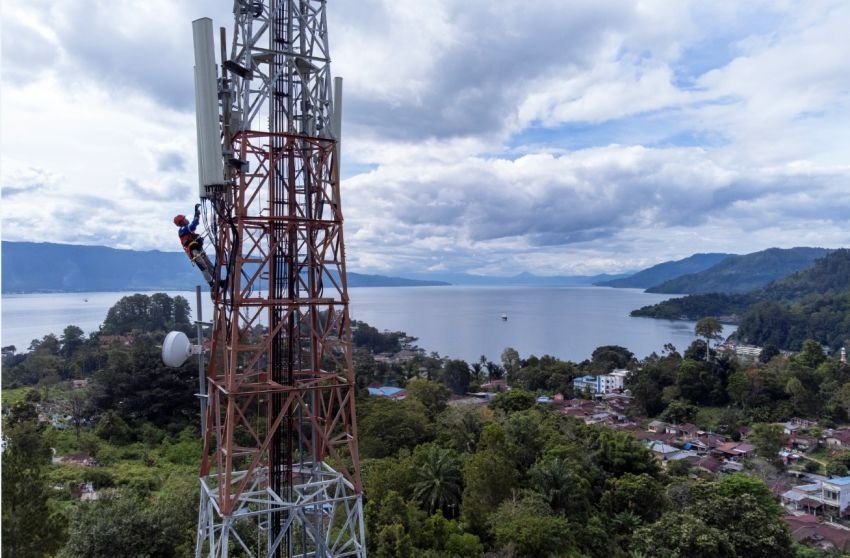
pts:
pixel 176 349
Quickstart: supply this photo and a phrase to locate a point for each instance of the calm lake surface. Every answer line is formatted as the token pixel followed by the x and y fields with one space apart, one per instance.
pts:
pixel 458 321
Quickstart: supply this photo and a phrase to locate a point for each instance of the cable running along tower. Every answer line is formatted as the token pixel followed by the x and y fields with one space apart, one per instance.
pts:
pixel 280 472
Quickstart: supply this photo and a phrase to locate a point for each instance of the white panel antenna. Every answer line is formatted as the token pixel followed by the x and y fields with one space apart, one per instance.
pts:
pixel 210 163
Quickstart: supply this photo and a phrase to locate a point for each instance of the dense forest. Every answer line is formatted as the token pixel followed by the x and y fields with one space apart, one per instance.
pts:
pixel 809 304
pixel 510 478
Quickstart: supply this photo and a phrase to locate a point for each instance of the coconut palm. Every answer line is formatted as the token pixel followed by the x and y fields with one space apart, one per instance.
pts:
pixel 558 480
pixel 439 481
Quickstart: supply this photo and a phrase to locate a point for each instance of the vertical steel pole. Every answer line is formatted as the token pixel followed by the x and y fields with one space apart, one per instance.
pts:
pixel 202 378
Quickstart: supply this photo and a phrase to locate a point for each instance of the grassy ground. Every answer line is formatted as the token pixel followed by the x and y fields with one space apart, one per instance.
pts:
pixel 12 396
pixel 821 454
pixel 143 468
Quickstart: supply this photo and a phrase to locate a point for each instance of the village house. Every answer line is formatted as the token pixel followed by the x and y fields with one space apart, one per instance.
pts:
pixel 742 352
pixel 709 464
pixel 126 340
pixel 731 467
pixel 802 442
pixel 495 386
pixel 831 497
pixel 791 428
pixel 396 358
pixel 661 450
pixel 836 495
pixel 657 426
pixel 735 451
pixel 838 439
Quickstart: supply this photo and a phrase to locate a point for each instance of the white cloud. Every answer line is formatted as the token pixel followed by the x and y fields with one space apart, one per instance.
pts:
pixel 553 137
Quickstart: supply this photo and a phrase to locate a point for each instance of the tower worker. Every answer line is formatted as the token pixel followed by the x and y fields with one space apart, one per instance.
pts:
pixel 193 244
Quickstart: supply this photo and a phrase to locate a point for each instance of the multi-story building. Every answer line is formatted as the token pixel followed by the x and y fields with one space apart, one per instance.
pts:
pixel 836 494
pixel 831 497
pixel 602 384
pixel 586 383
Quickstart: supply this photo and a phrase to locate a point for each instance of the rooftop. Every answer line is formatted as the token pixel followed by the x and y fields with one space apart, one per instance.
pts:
pixel 839 481
pixel 385 391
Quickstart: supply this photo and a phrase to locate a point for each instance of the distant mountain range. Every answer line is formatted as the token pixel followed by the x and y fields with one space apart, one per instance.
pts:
pixel 721 273
pixel 519 279
pixel 46 267
pixel 742 274
pixel 658 274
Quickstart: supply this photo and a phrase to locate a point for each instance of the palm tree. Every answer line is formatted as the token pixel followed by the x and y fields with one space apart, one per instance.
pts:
pixel 557 480
pixel 439 481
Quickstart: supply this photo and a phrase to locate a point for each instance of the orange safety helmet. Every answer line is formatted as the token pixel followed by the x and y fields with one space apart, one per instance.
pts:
pixel 179 220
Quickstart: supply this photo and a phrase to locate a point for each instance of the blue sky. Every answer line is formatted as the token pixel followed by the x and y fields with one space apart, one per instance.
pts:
pixel 484 137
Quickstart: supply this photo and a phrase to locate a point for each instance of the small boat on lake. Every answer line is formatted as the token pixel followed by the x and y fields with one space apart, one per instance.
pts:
pixel 504 317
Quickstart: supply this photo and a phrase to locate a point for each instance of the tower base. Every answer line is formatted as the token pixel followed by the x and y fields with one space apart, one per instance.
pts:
pixel 323 519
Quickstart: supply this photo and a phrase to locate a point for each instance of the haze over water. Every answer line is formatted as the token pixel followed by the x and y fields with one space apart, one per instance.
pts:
pixel 458 321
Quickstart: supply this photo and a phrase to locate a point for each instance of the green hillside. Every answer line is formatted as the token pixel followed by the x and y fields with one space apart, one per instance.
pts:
pixel 743 274
pixel 811 304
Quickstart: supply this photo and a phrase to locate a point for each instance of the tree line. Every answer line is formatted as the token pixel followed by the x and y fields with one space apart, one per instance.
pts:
pixel 506 479
pixel 810 304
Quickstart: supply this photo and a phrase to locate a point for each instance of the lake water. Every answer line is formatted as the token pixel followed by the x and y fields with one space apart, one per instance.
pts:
pixel 458 321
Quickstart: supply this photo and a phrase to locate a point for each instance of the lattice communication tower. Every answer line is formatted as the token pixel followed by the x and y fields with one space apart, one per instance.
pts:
pixel 280 472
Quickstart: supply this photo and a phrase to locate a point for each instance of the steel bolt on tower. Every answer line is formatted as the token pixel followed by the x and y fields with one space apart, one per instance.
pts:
pixel 280 472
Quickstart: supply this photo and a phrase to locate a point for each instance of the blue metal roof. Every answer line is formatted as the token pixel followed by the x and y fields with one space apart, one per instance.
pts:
pixel 385 391
pixel 841 481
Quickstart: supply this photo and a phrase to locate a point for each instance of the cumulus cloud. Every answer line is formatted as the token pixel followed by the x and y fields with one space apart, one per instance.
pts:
pixel 171 161
pixel 538 203
pixel 489 137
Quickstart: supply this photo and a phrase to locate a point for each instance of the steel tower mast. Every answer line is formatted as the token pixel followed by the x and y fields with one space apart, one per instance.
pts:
pixel 280 473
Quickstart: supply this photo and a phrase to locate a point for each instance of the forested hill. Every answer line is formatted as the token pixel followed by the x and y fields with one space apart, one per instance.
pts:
pixel 742 274
pixel 46 267
pixel 662 272
pixel 811 304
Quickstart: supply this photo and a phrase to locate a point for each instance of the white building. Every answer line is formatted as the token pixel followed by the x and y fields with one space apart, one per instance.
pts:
pixel 836 494
pixel 586 383
pixel 614 381
pixel 831 496
pixel 603 384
